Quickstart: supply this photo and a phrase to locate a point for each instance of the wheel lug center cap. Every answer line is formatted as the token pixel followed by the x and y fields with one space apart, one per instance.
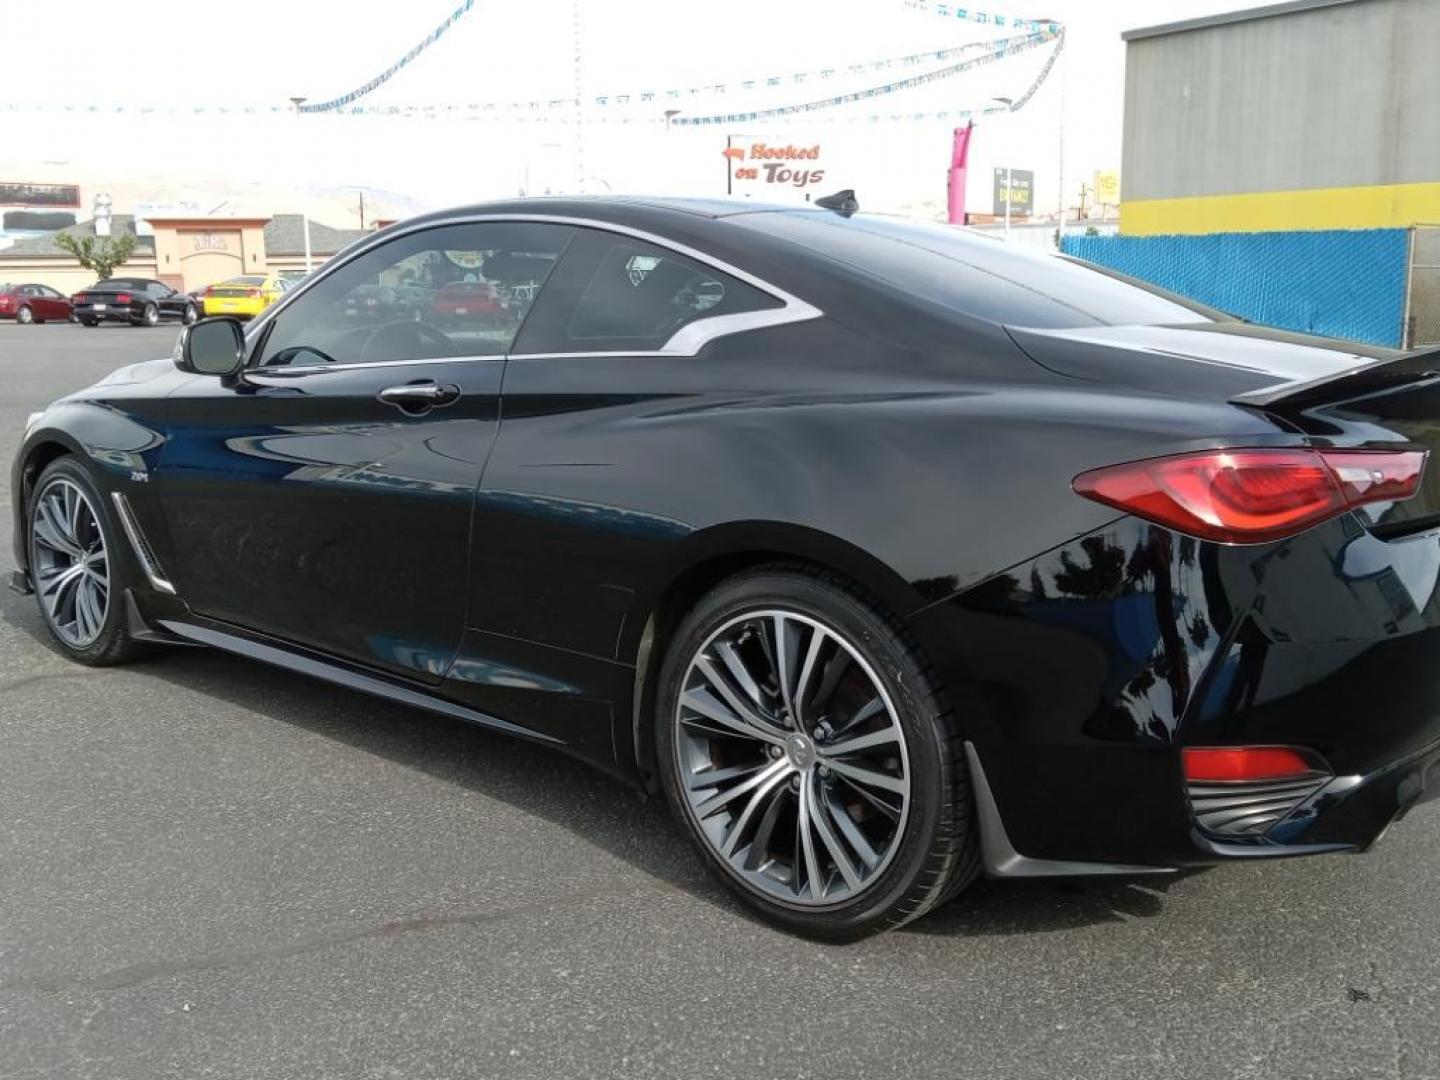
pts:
pixel 801 751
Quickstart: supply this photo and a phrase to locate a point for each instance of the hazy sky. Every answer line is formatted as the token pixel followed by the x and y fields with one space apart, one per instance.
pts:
pixel 263 51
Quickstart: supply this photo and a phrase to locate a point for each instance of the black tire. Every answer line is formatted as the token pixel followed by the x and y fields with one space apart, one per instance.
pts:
pixel 25 316
pixel 112 645
pixel 190 315
pixel 149 316
pixel 90 322
pixel 934 853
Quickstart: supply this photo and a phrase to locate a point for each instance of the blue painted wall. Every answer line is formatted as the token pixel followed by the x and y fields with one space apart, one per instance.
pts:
pixel 1340 283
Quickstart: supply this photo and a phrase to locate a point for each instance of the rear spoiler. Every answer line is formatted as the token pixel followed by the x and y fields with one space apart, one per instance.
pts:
pixel 1385 374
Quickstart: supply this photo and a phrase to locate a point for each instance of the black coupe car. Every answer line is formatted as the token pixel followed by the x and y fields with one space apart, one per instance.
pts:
pixel 890 553
pixel 137 301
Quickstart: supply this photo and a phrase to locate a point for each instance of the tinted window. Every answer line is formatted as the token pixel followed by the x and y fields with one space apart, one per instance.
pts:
pixel 979 276
pixel 136 284
pixel 617 294
pixel 456 290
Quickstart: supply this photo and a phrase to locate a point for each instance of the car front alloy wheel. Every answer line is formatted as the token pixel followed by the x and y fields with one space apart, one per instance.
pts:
pixel 77 567
pixel 71 564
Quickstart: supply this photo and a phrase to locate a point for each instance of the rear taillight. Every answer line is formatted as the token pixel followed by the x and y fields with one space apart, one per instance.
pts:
pixel 252 292
pixel 1254 496
pixel 123 298
pixel 78 298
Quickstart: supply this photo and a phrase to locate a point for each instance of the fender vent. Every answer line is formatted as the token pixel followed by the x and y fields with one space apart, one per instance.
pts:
pixel 143 552
pixel 1249 808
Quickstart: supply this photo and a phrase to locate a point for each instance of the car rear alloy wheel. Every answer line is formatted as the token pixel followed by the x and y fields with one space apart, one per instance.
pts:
pixel 793 759
pixel 25 316
pixel 191 315
pixel 806 750
pixel 150 316
pixel 72 566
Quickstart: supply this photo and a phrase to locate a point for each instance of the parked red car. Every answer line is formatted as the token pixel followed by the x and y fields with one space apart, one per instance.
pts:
pixel 462 301
pixel 32 303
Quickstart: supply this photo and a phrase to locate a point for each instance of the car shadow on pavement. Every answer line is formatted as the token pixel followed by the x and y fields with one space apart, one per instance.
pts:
pixel 991 908
pixel 596 807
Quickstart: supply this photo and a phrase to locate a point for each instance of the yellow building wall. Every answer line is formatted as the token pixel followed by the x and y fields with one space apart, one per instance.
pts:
pixel 1379 206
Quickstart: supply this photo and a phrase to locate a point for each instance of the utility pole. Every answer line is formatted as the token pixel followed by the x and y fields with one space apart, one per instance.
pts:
pixel 304 214
pixel 362 210
pixel 1060 168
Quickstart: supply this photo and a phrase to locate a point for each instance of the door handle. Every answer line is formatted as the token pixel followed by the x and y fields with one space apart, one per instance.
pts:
pixel 416 398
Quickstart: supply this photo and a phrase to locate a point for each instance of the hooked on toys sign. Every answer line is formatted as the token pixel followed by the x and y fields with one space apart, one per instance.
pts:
pixel 755 165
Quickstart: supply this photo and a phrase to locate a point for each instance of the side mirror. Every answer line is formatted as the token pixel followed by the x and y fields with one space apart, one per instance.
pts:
pixel 211 347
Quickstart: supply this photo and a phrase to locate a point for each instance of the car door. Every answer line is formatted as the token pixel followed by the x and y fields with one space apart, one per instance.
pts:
pixel 578 504
pixel 56 305
pixel 162 295
pixel 325 496
pixel 37 301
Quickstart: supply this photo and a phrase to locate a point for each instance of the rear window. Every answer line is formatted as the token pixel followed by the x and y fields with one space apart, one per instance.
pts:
pixel 979 276
pixel 120 283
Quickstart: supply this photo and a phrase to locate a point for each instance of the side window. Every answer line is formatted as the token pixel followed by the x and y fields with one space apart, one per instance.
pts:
pixel 618 294
pixel 455 290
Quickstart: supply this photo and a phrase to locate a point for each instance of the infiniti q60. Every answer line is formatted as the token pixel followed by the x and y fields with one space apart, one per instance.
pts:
pixel 890 554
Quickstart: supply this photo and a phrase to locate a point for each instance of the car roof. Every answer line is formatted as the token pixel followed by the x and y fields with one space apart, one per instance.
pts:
pixel 655 213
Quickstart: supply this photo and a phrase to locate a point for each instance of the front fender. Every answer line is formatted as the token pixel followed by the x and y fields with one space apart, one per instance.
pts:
pixel 111 443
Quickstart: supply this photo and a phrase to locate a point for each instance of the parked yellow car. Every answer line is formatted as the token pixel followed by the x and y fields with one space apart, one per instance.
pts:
pixel 244 297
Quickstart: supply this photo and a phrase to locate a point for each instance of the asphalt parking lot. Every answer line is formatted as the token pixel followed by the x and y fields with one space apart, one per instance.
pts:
pixel 211 868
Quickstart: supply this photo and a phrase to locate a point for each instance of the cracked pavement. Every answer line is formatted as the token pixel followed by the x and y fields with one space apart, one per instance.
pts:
pixel 211 868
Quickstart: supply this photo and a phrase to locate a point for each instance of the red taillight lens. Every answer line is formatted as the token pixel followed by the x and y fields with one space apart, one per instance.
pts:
pixel 1254 496
pixel 78 298
pixel 252 292
pixel 123 298
pixel 1227 764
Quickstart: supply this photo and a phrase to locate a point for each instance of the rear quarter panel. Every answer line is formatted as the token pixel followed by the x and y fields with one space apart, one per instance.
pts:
pixel 917 474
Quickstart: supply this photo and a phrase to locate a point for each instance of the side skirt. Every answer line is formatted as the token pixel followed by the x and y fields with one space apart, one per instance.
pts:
pixel 1003 861
pixel 343 676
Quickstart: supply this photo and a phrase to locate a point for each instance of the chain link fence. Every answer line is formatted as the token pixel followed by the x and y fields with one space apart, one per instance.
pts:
pixel 1341 283
pixel 1422 305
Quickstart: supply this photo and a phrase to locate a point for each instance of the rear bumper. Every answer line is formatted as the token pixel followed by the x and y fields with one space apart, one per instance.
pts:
pixel 1353 812
pixel 110 313
pixel 1080 676
pixel 235 308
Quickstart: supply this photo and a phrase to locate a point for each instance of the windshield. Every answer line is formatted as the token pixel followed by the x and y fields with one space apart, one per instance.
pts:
pixel 981 277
